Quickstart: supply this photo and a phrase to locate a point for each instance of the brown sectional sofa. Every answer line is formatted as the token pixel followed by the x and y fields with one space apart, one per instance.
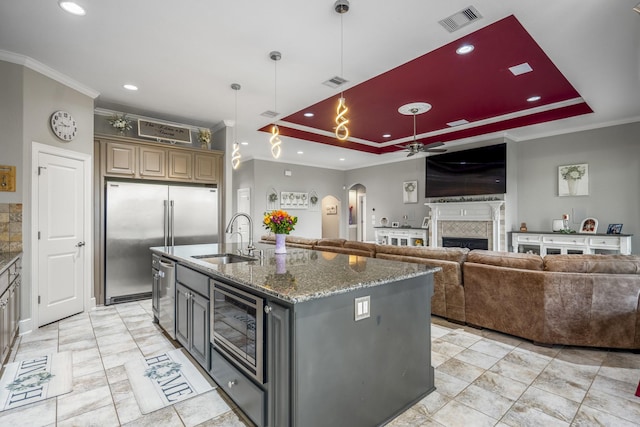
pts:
pixel 448 292
pixel 583 300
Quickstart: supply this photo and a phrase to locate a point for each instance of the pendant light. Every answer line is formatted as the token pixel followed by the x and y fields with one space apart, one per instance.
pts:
pixel 275 142
pixel 235 154
pixel 342 131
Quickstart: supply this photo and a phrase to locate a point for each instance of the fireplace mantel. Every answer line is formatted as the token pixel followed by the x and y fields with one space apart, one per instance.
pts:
pixel 465 211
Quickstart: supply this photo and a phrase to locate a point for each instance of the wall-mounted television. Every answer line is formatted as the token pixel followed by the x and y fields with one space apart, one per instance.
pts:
pixel 478 171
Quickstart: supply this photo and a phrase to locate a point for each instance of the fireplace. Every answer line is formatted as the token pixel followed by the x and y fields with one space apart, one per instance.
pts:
pixel 465 242
pixel 477 219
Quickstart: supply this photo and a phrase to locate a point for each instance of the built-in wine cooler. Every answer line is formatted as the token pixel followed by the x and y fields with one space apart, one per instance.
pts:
pixel 237 328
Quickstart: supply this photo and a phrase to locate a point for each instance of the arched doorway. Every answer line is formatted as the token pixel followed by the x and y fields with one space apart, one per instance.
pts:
pixel 331 212
pixel 357 213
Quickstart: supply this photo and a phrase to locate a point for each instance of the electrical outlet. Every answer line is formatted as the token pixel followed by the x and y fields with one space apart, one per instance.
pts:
pixel 362 307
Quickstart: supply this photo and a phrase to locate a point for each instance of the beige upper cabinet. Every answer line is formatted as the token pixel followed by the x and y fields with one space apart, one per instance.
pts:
pixel 146 160
pixel 153 162
pixel 180 165
pixel 120 159
pixel 208 167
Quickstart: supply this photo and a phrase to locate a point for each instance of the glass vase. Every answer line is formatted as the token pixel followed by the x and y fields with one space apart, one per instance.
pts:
pixel 280 244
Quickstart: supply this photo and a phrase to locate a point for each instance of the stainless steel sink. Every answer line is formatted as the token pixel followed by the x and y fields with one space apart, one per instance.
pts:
pixel 224 258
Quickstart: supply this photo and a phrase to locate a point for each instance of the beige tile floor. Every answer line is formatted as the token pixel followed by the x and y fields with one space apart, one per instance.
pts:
pixel 482 378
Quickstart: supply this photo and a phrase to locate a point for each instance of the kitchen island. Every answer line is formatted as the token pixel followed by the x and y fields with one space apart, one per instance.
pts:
pixel 309 338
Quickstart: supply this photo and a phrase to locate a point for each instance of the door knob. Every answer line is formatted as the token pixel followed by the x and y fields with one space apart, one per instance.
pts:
pixel 79 244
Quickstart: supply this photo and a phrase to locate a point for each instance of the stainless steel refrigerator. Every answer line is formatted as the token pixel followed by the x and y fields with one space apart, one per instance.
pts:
pixel 140 215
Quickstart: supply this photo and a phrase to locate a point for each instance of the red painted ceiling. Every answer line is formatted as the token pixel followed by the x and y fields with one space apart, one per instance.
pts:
pixel 475 87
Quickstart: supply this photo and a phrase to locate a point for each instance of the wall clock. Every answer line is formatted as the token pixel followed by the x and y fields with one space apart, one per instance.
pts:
pixel 63 125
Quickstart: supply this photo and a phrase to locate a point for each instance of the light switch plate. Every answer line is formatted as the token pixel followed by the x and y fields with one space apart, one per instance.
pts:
pixel 362 307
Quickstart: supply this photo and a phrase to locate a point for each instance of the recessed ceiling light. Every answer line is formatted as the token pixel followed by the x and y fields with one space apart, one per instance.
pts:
pixel 244 143
pixel 130 87
pixel 386 135
pixel 521 69
pixel 308 114
pixel 71 7
pixel 300 152
pixel 463 50
pixel 341 159
pixel 533 98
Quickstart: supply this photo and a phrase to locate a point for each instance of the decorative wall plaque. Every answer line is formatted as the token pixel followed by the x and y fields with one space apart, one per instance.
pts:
pixel 164 131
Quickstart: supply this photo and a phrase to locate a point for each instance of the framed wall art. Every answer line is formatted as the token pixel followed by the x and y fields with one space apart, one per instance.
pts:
pixel 410 192
pixel 573 180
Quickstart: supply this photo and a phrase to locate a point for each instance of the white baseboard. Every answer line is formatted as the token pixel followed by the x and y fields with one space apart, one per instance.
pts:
pixel 92 303
pixel 25 326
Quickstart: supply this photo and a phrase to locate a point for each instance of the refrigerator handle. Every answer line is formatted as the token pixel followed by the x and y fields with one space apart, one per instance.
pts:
pixel 171 224
pixel 165 227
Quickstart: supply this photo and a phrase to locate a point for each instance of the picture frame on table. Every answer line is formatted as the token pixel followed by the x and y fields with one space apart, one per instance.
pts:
pixel 589 225
pixel 425 222
pixel 614 229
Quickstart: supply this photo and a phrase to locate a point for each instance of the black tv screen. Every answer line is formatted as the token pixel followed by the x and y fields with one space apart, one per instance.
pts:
pixel 472 172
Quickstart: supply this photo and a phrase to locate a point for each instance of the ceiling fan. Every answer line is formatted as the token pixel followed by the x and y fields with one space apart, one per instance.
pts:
pixel 415 147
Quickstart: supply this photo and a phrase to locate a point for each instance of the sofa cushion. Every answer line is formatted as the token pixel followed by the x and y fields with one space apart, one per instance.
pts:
pixel 331 242
pixel 447 254
pixel 591 263
pixel 506 259
pixel 300 240
pixel 369 248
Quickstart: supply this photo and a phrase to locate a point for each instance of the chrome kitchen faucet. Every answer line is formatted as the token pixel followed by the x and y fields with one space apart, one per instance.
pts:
pixel 229 230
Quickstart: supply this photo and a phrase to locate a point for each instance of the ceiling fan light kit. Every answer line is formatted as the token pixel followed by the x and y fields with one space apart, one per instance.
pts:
pixel 415 147
pixel 342 131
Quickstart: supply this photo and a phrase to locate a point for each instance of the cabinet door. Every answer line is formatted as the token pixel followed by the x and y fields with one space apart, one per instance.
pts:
pixel 206 168
pixel 180 165
pixel 153 162
pixel 5 323
pixel 199 348
pixel 182 315
pixel 278 364
pixel 120 159
pixel 155 293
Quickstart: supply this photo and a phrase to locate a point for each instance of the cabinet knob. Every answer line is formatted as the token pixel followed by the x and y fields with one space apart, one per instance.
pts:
pixel 267 309
pixel 232 383
pixel 80 244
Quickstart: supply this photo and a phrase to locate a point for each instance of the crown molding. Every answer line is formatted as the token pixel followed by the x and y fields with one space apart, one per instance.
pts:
pixel 45 70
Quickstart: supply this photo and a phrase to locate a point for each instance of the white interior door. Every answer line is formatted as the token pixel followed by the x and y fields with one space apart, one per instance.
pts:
pixel 244 205
pixel 61 244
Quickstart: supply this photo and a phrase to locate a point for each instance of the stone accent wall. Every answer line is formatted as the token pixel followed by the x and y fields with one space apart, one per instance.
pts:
pixel 473 229
pixel 10 227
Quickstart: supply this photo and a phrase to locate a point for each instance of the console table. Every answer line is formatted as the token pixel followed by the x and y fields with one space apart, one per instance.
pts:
pixel 577 243
pixel 401 236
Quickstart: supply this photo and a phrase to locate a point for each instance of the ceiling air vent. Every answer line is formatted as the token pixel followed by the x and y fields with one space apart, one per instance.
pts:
pixel 270 114
pixel 335 82
pixel 460 19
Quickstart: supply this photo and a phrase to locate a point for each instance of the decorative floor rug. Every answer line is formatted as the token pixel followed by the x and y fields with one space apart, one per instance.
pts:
pixel 33 380
pixel 164 379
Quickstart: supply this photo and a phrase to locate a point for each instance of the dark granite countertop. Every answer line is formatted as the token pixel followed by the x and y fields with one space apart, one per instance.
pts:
pixel 301 274
pixel 7 258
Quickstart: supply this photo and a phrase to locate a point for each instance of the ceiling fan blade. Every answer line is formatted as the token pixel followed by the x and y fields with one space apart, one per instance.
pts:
pixel 435 150
pixel 411 153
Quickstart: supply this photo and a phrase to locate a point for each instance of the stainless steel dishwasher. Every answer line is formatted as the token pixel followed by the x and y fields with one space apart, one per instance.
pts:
pixel 167 299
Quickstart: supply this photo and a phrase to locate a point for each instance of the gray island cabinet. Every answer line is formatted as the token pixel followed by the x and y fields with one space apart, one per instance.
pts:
pixel 313 338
